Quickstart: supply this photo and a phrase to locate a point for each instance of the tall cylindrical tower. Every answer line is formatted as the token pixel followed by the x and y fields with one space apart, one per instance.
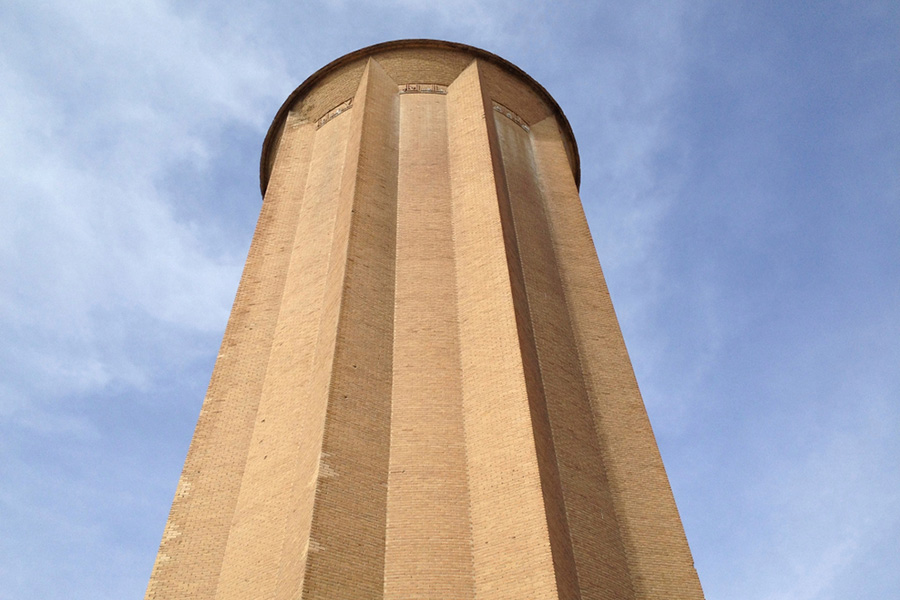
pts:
pixel 422 391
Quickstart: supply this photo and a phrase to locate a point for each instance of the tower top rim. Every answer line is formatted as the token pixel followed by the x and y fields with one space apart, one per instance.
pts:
pixel 311 81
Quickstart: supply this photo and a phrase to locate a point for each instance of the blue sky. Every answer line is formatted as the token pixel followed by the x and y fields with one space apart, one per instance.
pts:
pixel 740 174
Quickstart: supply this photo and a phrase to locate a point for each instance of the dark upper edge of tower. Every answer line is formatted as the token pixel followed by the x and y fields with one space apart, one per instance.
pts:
pixel 311 81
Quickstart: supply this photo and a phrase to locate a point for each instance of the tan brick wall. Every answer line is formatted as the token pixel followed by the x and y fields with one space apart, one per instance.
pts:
pixel 278 464
pixel 422 391
pixel 509 526
pixel 200 520
pixel 584 496
pixel 659 560
pixel 428 552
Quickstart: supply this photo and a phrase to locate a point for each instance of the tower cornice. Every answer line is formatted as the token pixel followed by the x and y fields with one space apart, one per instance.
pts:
pixel 270 142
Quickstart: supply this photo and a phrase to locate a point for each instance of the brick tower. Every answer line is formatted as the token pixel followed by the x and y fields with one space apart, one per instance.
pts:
pixel 422 391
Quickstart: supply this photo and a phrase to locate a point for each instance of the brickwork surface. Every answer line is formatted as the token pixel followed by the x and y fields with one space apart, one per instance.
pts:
pixel 422 391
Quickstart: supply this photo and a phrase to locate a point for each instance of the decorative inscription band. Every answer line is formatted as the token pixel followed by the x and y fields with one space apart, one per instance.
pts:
pixel 511 115
pixel 422 88
pixel 342 107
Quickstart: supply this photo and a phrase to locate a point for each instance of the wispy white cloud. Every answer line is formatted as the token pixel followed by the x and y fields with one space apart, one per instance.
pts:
pixel 826 504
pixel 93 124
pixel 108 277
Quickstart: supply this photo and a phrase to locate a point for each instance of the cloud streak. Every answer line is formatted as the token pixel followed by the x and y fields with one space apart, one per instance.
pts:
pixel 125 97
